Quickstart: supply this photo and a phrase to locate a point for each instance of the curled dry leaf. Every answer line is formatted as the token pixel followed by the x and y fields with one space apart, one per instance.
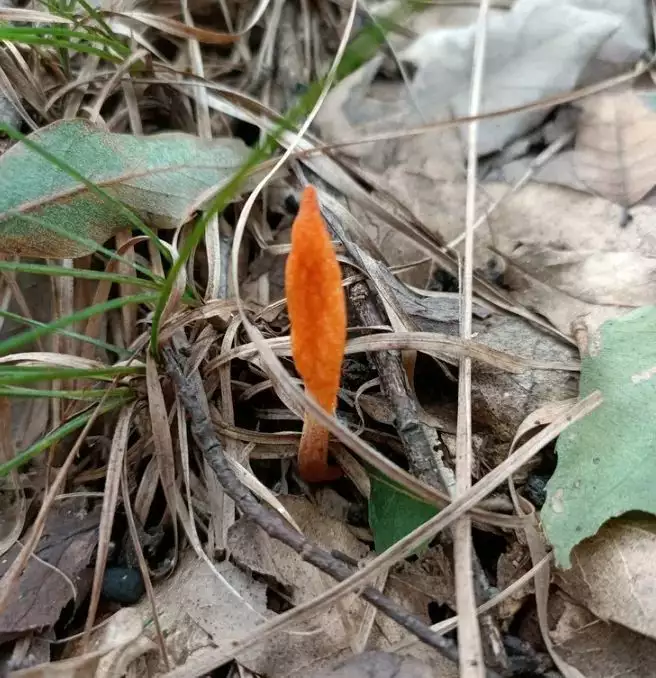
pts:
pixel 162 178
pixel 317 312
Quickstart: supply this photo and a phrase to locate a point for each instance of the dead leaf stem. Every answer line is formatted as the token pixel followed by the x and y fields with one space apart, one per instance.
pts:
pixel 469 631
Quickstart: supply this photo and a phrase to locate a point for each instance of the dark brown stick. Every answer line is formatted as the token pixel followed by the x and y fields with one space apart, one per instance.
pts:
pixel 192 396
pixel 394 386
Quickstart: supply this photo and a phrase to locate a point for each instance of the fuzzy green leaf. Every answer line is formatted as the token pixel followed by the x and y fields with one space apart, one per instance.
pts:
pixel 606 461
pixel 162 178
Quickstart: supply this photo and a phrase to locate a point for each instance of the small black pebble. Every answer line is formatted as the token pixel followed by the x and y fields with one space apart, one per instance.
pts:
pixel 123 585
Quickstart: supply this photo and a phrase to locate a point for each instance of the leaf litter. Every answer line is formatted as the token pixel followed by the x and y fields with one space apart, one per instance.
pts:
pixel 545 256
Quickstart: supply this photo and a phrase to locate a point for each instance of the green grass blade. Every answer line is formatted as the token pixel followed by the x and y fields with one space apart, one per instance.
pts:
pixel 85 274
pixel 63 44
pixel 11 344
pixel 67 12
pixel 92 394
pixel 60 34
pixel 58 434
pixel 103 26
pixel 25 374
pixel 111 348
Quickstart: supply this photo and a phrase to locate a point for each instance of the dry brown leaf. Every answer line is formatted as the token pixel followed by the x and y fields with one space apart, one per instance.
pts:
pixel 615 152
pixel 425 175
pixel 601 649
pixel 501 401
pixel 562 309
pixel 52 577
pixel 597 277
pixel 612 573
pixel 381 665
pixel 197 609
pixel 565 255
pixel 118 633
pixel 563 218
pixel 511 565
pixel 330 634
pixel 415 585
pixel 253 549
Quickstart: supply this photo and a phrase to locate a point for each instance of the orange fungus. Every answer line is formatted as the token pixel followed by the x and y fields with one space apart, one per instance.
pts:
pixel 317 312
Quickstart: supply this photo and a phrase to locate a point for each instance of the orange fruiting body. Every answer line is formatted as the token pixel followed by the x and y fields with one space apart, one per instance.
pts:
pixel 317 312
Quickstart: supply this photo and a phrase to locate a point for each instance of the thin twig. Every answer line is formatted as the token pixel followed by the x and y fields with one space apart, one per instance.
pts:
pixel 143 566
pixel 192 396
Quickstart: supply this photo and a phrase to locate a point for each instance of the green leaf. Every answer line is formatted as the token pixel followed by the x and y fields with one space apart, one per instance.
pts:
pixel 162 178
pixel 394 512
pixel 607 461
